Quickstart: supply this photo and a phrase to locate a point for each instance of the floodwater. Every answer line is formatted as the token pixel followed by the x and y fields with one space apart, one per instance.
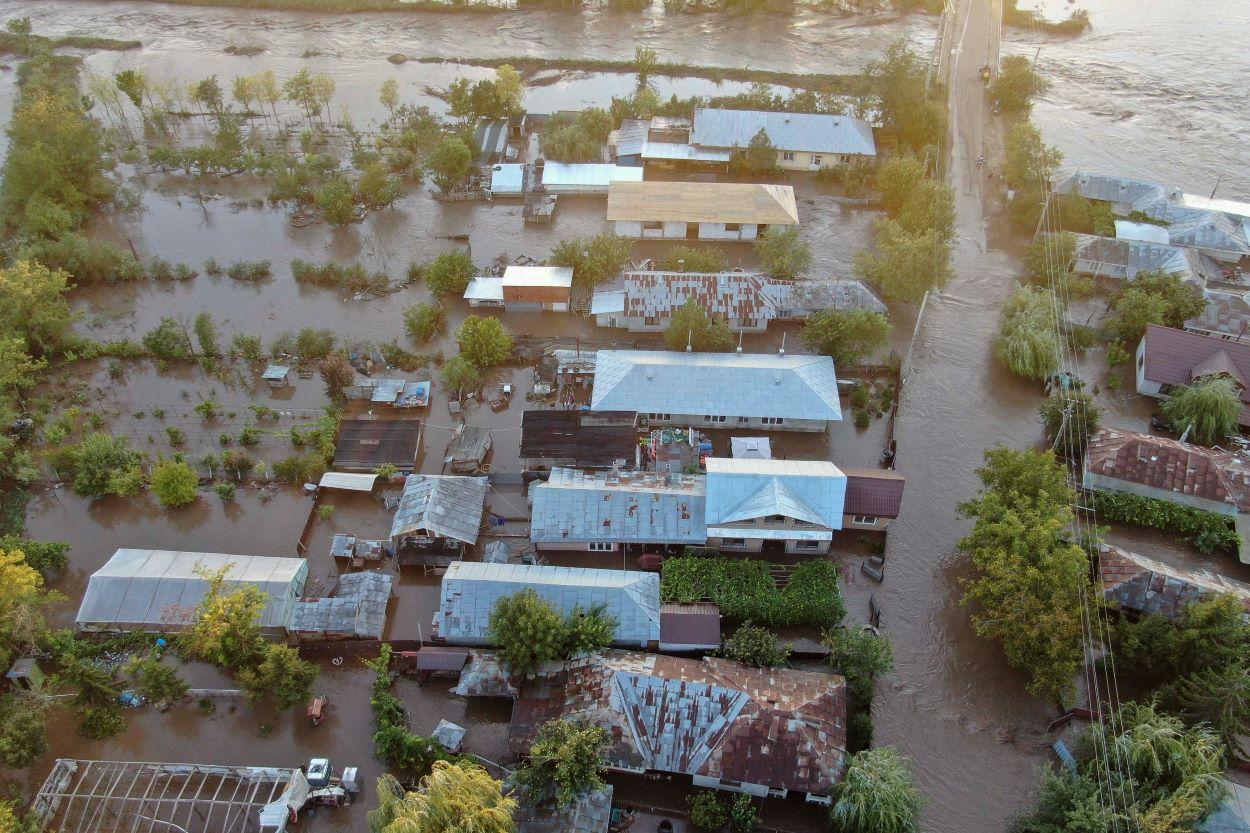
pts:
pixel 1149 92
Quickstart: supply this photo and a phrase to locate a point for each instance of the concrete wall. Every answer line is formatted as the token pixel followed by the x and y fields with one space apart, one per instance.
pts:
pixel 1111 484
pixel 750 423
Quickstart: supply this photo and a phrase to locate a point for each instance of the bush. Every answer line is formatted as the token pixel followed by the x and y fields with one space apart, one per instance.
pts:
pixel 692 259
pixel 100 722
pixel 460 374
pixel 483 341
pixel 449 273
pixel 247 270
pixel 174 483
pixel 751 645
pixel 743 815
pixel 249 347
pixel 707 811
pixel 860 656
pixel 353 277
pixel 564 761
pixel 1208 531
pixel 424 321
pixel 87 259
pixel 299 469
pixel 168 341
pixel 579 139
pixel 100 464
pixel 1209 409
pixel 745 590
pixel 594 260
pixel 782 253
pixel 225 491
pixel 858 731
pixel 1026 340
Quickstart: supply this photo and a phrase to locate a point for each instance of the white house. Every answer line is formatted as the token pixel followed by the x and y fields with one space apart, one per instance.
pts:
pixel 699 210
pixel 804 141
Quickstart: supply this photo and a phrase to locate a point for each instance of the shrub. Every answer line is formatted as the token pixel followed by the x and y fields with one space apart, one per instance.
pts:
pixel 1027 342
pixel 174 483
pixel 593 260
pixel 225 491
pixel 745 590
pixel 751 645
pixel 449 273
pixel 424 321
pixel 299 469
pixel 860 656
pixel 168 341
pixel 249 347
pixel 460 374
pixel 707 811
pixel 782 253
pixel 483 341
pixel 694 259
pixel 247 270
pixel 1209 532
pixel 99 465
pixel 352 277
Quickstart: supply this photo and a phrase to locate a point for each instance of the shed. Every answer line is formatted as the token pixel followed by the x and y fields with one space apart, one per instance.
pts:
pixel 537 288
pixel 491 138
pixel 468 451
pixel 689 627
pixel 699 210
pixel 578 438
pixel 439 658
pixel 484 291
pixel 365 444
pixel 157 590
pixel 507 180
pixel 348 482
pixel 751 448
pixel 583 178
pixel 1146 232
pixel 276 375
pixel 440 506
pixel 495 552
pixel 356 609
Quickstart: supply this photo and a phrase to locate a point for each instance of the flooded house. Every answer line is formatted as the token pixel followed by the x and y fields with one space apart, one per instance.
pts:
pixel 664 142
pixel 1142 586
pixel 767 732
pixel 583 439
pixel 523 289
pixel 1118 260
pixel 758 391
pixel 587 179
pixel 365 444
pixel 645 301
pixel 1168 358
pixel 804 141
pixel 1226 316
pixel 721 211
pixel 437 517
pixel 790 506
pixel 874 497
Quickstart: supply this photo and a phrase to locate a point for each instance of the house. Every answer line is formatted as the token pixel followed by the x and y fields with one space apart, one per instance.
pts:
pixel 523 289
pixel 468 449
pixel 719 390
pixel 585 439
pixel 664 142
pixel 721 211
pixel 398 393
pixel 873 498
pixel 471 589
pixel 580 178
pixel 606 511
pixel 366 444
pixel 354 609
pixel 1168 358
pixel 1121 260
pixel 437 516
pixel 1144 586
pixel 645 301
pixel 760 731
pixel 1214 481
pixel 804 141
pixel 793 505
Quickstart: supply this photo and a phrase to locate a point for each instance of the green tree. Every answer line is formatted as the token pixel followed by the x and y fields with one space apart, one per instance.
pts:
pixel 878 794
pixel 155 680
pixel 758 158
pixel 279 675
pixel 1048 259
pixel 1181 301
pixel 646 62
pixel 1216 697
pixel 1132 311
pixel 206 334
pixel 23 729
pixel 743 815
pixel 337 373
pixel 1017 84
pixel 1070 420
pixel 564 761
pixel 133 85
pixel 594 260
pixel 690 324
pixel 388 95
pixel 898 178
pixel 1210 634
pixel 96 463
pixel 449 273
pixel 1210 409
pixel 424 321
pixel 694 259
pixel 458 797
pixel 377 187
pixel 225 627
pixel 861 656
pixel 527 630
pixel 175 483
pixel 337 201
pixel 1029 581
pixel 578 139
pixel 449 163
pixel 48 557
pixel 782 253
pixel 909 116
pixel 460 374
pixel 1028 162
pixel 33 306
pixel 483 341
pixel 756 646
pixel 1027 342
pixel 168 341
pixel 707 810
pixel 846 334
pixel 588 629
pixel 18 371
pixel 905 265
pixel 931 209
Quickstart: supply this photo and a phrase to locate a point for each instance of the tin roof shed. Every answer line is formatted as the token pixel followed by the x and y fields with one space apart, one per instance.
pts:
pixel 445 506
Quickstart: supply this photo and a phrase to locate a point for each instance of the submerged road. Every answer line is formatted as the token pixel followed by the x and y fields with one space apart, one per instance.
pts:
pixel 952 705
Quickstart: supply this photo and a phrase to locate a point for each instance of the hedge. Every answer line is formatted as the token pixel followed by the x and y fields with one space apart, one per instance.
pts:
pixel 1209 532
pixel 745 590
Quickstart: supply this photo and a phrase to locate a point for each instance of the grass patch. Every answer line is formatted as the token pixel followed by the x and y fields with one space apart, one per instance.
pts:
pixel 12 43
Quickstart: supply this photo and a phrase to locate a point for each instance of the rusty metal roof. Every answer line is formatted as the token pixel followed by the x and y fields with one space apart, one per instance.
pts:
pixel 776 727
pixel 876 492
pixel 1147 586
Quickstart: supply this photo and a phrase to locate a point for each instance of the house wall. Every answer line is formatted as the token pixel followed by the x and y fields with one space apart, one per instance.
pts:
pixel 481 302
pixel 677 231
pixel 638 324
pixel 1145 387
pixel 535 295
pixel 804 161
pixel 878 524
pixel 572 546
pixel 741 423
pixel 1111 484
pixel 756 545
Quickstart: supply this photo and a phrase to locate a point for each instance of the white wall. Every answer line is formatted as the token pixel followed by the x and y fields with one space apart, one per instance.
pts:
pixel 751 423
pixel 1144 386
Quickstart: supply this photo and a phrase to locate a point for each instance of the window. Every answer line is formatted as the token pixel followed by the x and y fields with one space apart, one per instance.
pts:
pixel 664 417
pixel 807 545
pixel 787 156
pixel 1141 361
pixel 600 546
pixel 868 520
pixel 772 420
pixel 710 418
pixel 816 160
pixel 652 225
pixel 743 420
pixel 735 227
pixel 734 542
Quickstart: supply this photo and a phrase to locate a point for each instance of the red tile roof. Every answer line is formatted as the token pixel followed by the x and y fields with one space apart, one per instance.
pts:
pixel 876 492
pixel 1168 465
pixel 1144 585
pixel 1178 357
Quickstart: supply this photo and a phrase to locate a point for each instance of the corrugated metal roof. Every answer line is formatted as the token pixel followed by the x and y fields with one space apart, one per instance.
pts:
pixel 725 384
pixel 572 174
pixel 470 590
pixel 694 626
pixel 558 276
pixel 1123 259
pixel 751 448
pixel 679 152
pixel 631 137
pixel 607 301
pixel 507 178
pixel 1145 232
pixel 1226 313
pixel 484 288
pixel 809 132
pixel 348 482
pixel 357 608
pixel 154 588
pixel 437 658
pixel 275 372
pixel 703 202
pixel 738 490
pixel 875 492
pixel 575 506
pixel 447 506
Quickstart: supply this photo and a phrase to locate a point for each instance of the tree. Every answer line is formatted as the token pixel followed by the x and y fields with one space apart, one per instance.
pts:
pixel 1133 310
pixel 33 306
pixel 133 85
pixel 449 163
pixel 898 178
pixel 453 798
pixel 707 811
pixel 377 188
pixel 460 374
pixel 449 273
pixel 1217 697
pixel 168 341
pixel 1027 340
pixel 155 680
pixel 878 794
pixel 1209 634
pixel 23 729
pixel 18 371
pixel 588 629
pixel 758 158
pixel 388 95
pixel 96 463
pixel 564 761
pixel 175 483
pixel 692 259
pixel 905 264
pixel 755 646
pixel 1048 259
pixel 24 600
pixel 483 341
pixel 690 324
pixel 1209 409
pixel 931 208
pixel 1181 301
pixel 48 557
pixel 579 139
pixel 1070 420
pixel 782 253
pixel 1029 581
pixel 646 61
pixel 1017 83
pixel 908 115
pixel 337 373
pixel 337 201
pixel 280 675
pixel 846 334
pixel 593 261
pixel 1028 161
pixel 225 627
pixel 861 656
pixel 509 92
pixel 424 321
pixel 527 630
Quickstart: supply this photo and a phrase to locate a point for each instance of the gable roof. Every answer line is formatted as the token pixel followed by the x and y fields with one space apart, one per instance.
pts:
pixel 1147 586
pixel 810 132
pixel 1168 465
pixel 807 490
pixel 703 202
pixel 875 492
pixel 775 726
pixel 1226 313
pixel 470 590
pixel 1178 357
pixel 547 276
pixel 727 384
pixel 618 507
pixel 448 506
pixel 1120 259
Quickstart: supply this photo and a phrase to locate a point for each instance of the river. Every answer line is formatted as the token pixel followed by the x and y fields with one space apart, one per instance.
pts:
pixel 1151 91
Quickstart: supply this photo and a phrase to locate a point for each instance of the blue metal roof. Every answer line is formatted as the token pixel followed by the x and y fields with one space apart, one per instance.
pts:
pixel 618 507
pixel 806 132
pixel 740 490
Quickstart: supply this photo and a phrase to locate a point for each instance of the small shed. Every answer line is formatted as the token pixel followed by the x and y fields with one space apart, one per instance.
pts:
pixel 365 444
pixel 690 627
pixel 449 735
pixel 347 481
pixel 491 138
pixel 468 451
pixel 495 552
pixel 751 448
pixel 25 673
pixel 484 291
pixel 508 179
pixel 586 178
pixel 537 288
pixel 276 375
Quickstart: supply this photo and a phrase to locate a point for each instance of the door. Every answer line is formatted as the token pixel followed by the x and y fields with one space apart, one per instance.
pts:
pixel 692 231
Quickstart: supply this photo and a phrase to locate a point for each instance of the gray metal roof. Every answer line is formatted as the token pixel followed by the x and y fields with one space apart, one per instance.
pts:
pixel 726 384
pixel 620 507
pixel 557 174
pixel 154 588
pixel 274 372
pixel 739 490
pixel 446 506
pixel 1107 188
pixel 1122 259
pixel 800 298
pixel 357 608
pixel 809 132
pixel 471 589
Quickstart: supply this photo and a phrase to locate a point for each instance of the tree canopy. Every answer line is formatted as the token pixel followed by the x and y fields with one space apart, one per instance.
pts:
pixel 593 260
pixel 1153 297
pixel 483 341
pixel 904 264
pixel 1027 342
pixel 878 794
pixel 782 253
pixel 849 335
pixel 694 259
pixel 753 645
pixel 1017 84
pixel 1209 409
pixel 564 761
pixel 691 325
pixel 453 798
pixel 449 273
pixel 175 483
pixel 449 163
pixel 577 139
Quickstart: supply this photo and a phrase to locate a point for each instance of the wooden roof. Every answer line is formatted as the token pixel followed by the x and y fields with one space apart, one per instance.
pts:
pixel 703 202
